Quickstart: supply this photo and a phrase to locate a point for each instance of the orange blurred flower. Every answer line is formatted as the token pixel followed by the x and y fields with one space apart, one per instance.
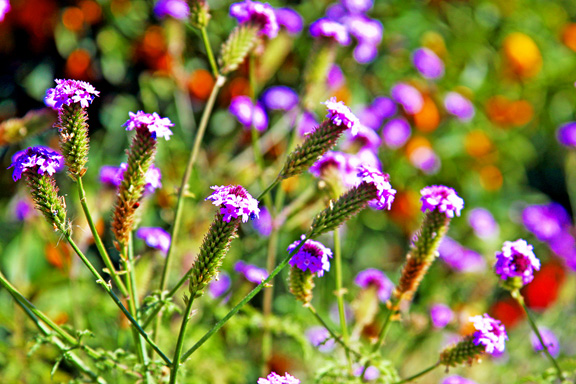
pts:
pixel 505 112
pixel 73 18
pixel 78 65
pixel 57 255
pixel 477 144
pixel 406 209
pixel 200 84
pixel 91 11
pixel 491 178
pixel 522 54
pixel 416 142
pixel 428 118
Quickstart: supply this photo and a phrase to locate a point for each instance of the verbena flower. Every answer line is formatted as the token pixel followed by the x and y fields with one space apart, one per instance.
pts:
pixel 425 159
pixel 455 379
pixel 482 223
pixel 372 277
pixel 178 9
pixel 357 6
pixel 368 32
pixel 280 97
pixel 158 126
pixel 335 78
pixel 442 199
pixel 69 92
pixel 372 373
pixel 274 378
pixel 220 285
pixel 409 97
pixel 251 272
pixel 113 176
pixel 313 256
pixel 566 134
pixel 339 114
pixel 289 19
pixel 459 106
pixel 459 258
pixel 546 221
pixel 307 123
pixel 490 333
pixel 234 201
pixel 428 63
pixel 41 160
pixel 396 133
pixel 4 9
pixel 23 210
pixel 155 237
pixel 331 30
pixel 385 193
pixel 334 164
pixel 264 224
pixel 248 114
pixel 550 340
pixel 365 138
pixel 517 259
pixel 256 13
pixel 441 315
pixel 320 338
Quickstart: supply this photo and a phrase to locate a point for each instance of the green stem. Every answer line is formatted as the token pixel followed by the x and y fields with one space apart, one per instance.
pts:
pixel 180 342
pixel 268 189
pixel 268 299
pixel 414 377
pixel 209 52
pixel 340 292
pixel 382 334
pixel 98 240
pixel 332 333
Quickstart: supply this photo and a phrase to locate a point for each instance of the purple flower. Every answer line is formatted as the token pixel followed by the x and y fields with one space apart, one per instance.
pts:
pixel 566 134
pixel 563 244
pixel 546 221
pixel 365 30
pixel 366 138
pixel 334 163
pixel 242 108
pixel 113 176
pixel 335 77
pixel 264 223
pixel 490 333
pixel 517 259
pixel 4 8
pixel 220 285
pixel 357 6
pixel 370 118
pixel 428 63
pixel 69 92
pixel 396 133
pixel 306 123
pixel 330 29
pixel 340 114
pixel 455 379
pixel 425 159
pixel 375 278
pixel 274 378
pixel 372 373
pixel 289 19
pixel 109 175
pixel 407 96
pixel 40 159
pixel 251 272
pixel 365 52
pixel 234 201
pixel 550 340
pixel 459 258
pixel 255 12
pixel 441 315
pixel 280 97
pixel 178 9
pixel 313 256
pixel 442 198
pixel 459 106
pixel 320 338
pixel 385 193
pixel 23 209
pixel 385 107
pixel 155 237
pixel 158 126
pixel 483 223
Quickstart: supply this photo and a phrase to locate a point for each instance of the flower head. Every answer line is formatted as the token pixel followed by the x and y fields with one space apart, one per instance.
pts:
pixel 158 126
pixel 155 237
pixel 280 97
pixel 330 29
pixel 365 138
pixel 234 201
pixel 320 338
pixel 335 78
pixel 4 8
pixel 459 106
pixel 372 373
pixel 178 9
pixel 407 96
pixel 248 114
pixel 396 133
pixel 340 114
pixel 313 256
pixel 220 285
pixel 357 6
pixel 441 315
pixel 69 92
pixel 490 333
pixel 37 159
pixel 385 193
pixel 307 123
pixel 566 134
pixel 428 63
pixel 517 259
pixel 376 278
pixel 251 272
pixel 549 339
pixel 274 378
pixel 257 13
pixel 483 223
pixel 289 19
pixel 546 221
pixel 442 198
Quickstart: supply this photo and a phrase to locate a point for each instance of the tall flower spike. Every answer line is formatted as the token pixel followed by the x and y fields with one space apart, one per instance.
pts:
pixel 236 205
pixel 141 154
pixel 71 98
pixel 374 187
pixel 37 165
pixel 440 204
pixel 516 264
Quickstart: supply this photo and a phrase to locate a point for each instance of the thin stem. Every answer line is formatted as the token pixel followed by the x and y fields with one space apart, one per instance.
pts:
pixel 332 333
pixel 268 188
pixel 268 299
pixel 414 377
pixel 211 59
pixel 180 342
pixel 340 292
pixel 98 240
pixel 382 334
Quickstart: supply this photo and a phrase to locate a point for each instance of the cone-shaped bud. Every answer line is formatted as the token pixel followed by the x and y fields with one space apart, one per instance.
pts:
pixel 37 165
pixel 199 14
pixel 516 264
pixel 71 98
pixel 301 284
pixel 239 44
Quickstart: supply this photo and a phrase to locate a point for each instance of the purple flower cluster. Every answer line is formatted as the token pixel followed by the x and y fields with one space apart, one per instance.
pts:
pixel 372 277
pixel 372 373
pixel 307 123
pixel 155 237
pixel 251 272
pixel 441 315
pixel 330 29
pixel 490 333
pixel 482 223
pixel 517 259
pixel 455 379
pixel 158 126
pixel 365 139
pixel 289 19
pixel 23 209
pixel 335 78
pixel 340 114
pixel 264 223
pixel 343 165
pixel 234 201
pixel 248 114
pixel 396 133
pixel 459 106
pixel 409 97
pixel 178 9
pixel 460 258
pixel 549 339
pixel 385 194
pixel 280 98
pixel 113 176
pixel 257 13
pixel 38 159
pixel 220 285
pixel 441 198
pixel 313 256
pixel 425 159
pixel 320 338
pixel 274 378
pixel 428 63
pixel 566 134
pixel 69 92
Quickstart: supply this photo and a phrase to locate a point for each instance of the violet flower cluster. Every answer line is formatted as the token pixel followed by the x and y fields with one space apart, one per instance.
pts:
pixel 441 315
pixel 155 237
pixel 384 191
pixel 331 30
pixel 517 259
pixel 251 272
pixel 69 92
pixel 234 202
pixel 459 106
pixel 460 258
pixel 289 19
pixel 550 340
pixel 41 160
pixel 313 256
pixel 321 339
pixel 249 114
pixel 274 378
pixel 178 9
pixel 4 9
pixel 113 176
pixel 566 134
pixel 483 223
pixel 220 285
pixel 158 126
pixel 340 114
pixel 428 63
pixel 490 333
pixel 260 14
pixel 443 199
pixel 372 277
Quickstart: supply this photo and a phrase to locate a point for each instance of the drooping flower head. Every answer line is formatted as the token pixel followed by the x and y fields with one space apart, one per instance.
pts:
pixel 441 315
pixel 490 333
pixel 155 237
pixel 280 97
pixel 407 96
pixel 566 134
pixel 375 278
pixel 251 272
pixel 340 114
pixel 257 13
pixel 459 106
pixel 40 160
pixel 178 9
pixel 441 198
pixel 289 19
pixel 320 338
pixel 313 256
pixel 158 126
pixel 234 201
pixel 274 378
pixel 550 340
pixel 428 63
pixel 69 92
pixel 517 259
pixel 249 114
pixel 385 192
pixel 330 29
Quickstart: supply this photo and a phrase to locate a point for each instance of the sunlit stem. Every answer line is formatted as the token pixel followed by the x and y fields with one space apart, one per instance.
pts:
pixel 419 374
pixel 340 291
pixel 337 338
pixel 208 47
pixel 180 342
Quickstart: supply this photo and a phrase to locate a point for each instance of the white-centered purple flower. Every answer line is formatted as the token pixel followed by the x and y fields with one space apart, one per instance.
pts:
pixel 550 340
pixel 289 19
pixel 409 97
pixel 41 160
pixel 459 106
pixel 249 114
pixel 357 6
pixel 330 29
pixel 455 379
pixel 158 126
pixel 155 237
pixel 396 133
pixel 441 198
pixel 178 9
pixel 546 221
pixel 340 114
pixel 566 134
pixel 4 9
pixel 234 202
pixel 313 256
pixel 220 285
pixel 441 315
pixel 274 378
pixel 320 338
pixel 517 259
pixel 113 176
pixel 459 258
pixel 372 277
pixel 482 223
pixel 256 13
pixel 280 98
pixel 68 92
pixel 490 333
pixel 428 63
pixel 335 78
pixel 385 192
